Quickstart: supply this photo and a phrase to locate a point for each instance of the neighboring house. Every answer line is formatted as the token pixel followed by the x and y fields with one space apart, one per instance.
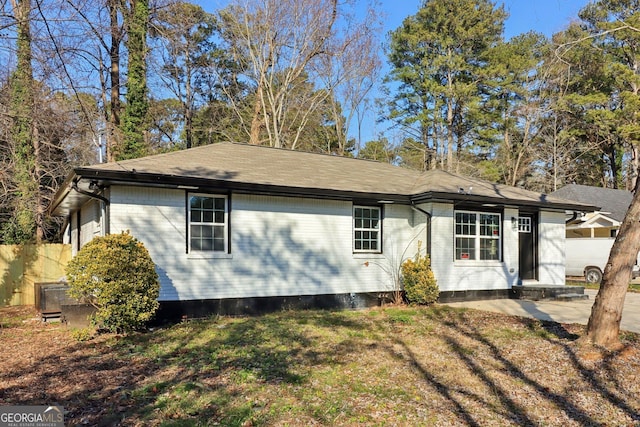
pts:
pixel 247 227
pixel 590 235
pixel 601 223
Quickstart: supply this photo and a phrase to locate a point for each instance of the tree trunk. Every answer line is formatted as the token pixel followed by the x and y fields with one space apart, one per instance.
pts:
pixel 635 167
pixel 114 73
pixel 137 105
pixel 41 202
pixel 449 126
pixel 188 127
pixel 604 324
pixel 188 106
pixel 22 129
pixel 256 122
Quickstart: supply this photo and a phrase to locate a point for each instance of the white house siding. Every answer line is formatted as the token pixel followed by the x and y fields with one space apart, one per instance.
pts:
pixel 551 251
pixel 455 275
pixel 90 225
pixel 279 246
pixel 73 233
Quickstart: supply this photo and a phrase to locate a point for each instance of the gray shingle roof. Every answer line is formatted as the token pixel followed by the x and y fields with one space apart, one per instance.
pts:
pixel 445 182
pixel 242 167
pixel 614 202
pixel 243 163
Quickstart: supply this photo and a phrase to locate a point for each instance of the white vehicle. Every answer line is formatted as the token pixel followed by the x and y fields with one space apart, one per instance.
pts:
pixel 588 256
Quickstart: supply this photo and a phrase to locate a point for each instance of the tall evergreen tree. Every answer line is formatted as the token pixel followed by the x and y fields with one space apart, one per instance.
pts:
pixel 437 56
pixel 591 100
pixel 184 32
pixel 514 107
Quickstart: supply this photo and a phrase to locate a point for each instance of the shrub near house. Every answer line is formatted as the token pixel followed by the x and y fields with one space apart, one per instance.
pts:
pixel 115 274
pixel 419 282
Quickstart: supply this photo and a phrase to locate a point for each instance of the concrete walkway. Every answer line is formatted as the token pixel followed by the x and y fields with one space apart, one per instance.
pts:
pixel 559 311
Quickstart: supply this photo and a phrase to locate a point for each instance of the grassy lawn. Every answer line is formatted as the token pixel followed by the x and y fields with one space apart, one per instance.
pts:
pixel 386 366
pixel 633 287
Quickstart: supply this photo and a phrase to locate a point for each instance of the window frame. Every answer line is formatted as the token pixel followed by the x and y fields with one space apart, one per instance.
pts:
pixel 225 224
pixel 477 237
pixel 356 229
pixel 524 224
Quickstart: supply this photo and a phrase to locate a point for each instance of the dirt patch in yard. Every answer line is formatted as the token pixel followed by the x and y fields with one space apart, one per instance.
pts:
pixel 388 366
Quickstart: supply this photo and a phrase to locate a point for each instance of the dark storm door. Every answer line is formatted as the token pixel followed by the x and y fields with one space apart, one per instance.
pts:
pixel 528 256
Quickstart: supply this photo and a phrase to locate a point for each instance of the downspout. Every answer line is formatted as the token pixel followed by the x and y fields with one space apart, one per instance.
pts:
pixel 74 186
pixel 104 212
pixel 573 217
pixel 429 216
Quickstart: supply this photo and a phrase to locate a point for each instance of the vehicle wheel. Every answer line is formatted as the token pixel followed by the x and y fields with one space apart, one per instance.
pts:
pixel 593 275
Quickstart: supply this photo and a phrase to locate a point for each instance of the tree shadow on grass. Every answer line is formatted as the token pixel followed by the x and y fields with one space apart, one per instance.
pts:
pixel 591 378
pixel 556 329
pixel 209 371
pixel 464 339
pixel 269 349
pixel 515 412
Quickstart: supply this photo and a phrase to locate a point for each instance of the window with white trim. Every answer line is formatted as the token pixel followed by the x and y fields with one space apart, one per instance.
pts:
pixel 208 222
pixel 477 236
pixel 524 224
pixel 367 223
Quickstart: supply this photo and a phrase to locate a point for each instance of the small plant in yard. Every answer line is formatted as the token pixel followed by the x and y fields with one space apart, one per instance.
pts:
pixel 82 334
pixel 420 284
pixel 116 275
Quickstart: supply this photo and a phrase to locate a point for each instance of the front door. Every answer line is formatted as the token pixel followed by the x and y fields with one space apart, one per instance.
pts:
pixel 528 256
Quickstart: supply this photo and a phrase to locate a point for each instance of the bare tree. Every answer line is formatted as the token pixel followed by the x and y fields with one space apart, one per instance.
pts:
pixel 351 72
pixel 278 44
pixel 81 50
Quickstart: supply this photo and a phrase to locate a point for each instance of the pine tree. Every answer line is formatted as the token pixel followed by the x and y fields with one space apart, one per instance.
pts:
pixel 437 56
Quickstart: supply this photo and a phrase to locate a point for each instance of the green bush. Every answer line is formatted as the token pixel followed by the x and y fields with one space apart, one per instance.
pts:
pixel 420 285
pixel 115 274
pixel 82 334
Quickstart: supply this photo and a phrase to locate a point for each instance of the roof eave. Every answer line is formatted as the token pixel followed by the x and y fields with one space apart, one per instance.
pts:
pixel 106 178
pixel 63 191
pixel 435 196
pixel 126 177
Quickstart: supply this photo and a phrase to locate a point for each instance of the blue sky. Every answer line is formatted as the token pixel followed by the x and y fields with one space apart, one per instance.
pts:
pixel 545 16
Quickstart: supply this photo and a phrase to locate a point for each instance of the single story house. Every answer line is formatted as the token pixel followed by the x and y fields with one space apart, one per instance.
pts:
pixel 590 235
pixel 236 227
pixel 597 224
